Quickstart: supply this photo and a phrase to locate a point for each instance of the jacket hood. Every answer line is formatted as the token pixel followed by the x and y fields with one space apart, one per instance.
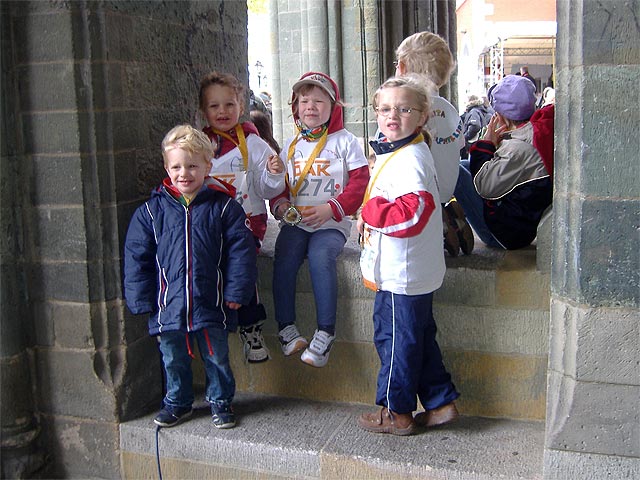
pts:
pixel 211 183
pixel 335 121
pixel 543 125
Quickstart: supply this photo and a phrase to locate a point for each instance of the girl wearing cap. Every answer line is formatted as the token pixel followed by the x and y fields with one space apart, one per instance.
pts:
pixel 327 174
pixel 507 184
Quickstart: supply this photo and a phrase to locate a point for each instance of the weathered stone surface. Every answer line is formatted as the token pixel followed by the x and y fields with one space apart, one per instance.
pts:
pixel 618 33
pixel 52 28
pixel 599 264
pixel 82 448
pixel 16 405
pixel 63 324
pixel 495 330
pixel 562 465
pixel 608 132
pixel 595 345
pixel 75 383
pixel 609 253
pixel 52 172
pixel 142 389
pixel 51 132
pixel 590 417
pixel 61 234
pixel 60 281
pixel 321 440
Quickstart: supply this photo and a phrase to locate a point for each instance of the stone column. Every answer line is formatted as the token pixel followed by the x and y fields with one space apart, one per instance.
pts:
pixel 353 42
pixel 593 407
pixel 20 429
pixel 98 84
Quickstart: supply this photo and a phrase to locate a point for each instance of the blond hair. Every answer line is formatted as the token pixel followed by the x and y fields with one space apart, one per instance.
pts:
pixel 420 85
pixel 190 139
pixel 428 54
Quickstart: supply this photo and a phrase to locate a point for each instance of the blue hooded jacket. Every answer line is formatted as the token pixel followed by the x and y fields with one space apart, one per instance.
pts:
pixel 181 264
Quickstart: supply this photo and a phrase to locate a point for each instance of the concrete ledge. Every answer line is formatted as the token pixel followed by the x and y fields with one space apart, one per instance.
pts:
pixel 285 438
pixel 493 319
pixel 491 384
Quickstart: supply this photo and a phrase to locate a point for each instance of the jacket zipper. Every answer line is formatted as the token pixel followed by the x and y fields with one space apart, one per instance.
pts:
pixel 189 279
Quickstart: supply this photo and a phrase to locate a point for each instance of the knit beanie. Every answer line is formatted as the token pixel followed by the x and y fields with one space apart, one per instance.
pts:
pixel 514 97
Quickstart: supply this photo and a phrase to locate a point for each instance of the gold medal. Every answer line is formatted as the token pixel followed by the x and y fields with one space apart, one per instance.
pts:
pixel 292 216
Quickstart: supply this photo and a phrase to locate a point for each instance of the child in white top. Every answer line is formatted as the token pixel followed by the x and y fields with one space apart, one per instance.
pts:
pixel 247 162
pixel 403 261
pixel 428 54
pixel 327 174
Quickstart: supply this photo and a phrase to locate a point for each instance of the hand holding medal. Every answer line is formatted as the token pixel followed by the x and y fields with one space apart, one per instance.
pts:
pixel 291 215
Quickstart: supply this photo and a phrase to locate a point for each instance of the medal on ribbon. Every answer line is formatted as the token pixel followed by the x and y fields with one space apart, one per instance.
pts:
pixel 292 215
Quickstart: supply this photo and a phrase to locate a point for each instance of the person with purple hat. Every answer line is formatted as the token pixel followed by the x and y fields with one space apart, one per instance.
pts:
pixel 507 183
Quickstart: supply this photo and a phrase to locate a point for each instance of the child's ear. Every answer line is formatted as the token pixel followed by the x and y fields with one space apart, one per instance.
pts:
pixel 424 116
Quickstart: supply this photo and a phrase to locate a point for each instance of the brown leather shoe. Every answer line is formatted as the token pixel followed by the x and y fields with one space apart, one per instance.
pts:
pixel 386 421
pixel 451 239
pixel 438 416
pixel 461 226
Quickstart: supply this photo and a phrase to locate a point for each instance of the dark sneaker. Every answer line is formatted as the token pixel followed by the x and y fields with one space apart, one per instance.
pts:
pixel 461 226
pixel 451 240
pixel 223 416
pixel 255 350
pixel 171 416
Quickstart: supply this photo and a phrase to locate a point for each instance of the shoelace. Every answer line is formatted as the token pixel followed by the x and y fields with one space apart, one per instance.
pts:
pixel 289 333
pixel 254 338
pixel 321 342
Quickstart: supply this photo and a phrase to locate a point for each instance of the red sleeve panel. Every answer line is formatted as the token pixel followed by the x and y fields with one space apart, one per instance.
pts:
pixel 406 216
pixel 348 202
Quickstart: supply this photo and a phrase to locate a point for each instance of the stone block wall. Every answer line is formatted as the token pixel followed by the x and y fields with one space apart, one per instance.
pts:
pixel 91 88
pixel 593 413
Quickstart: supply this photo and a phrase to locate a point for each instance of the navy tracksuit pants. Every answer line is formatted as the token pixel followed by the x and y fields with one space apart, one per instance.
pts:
pixel 411 361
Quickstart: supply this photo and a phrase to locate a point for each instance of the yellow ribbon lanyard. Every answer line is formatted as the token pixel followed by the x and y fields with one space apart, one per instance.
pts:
pixel 316 151
pixel 372 181
pixel 241 144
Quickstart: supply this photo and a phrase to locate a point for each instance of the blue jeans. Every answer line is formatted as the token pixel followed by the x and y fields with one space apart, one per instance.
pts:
pixel 473 205
pixel 410 359
pixel 322 248
pixel 214 351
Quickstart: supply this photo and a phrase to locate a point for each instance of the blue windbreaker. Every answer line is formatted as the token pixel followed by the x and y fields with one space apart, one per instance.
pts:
pixel 181 264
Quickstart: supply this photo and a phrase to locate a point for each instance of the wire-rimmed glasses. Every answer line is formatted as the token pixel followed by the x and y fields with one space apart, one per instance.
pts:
pixel 402 111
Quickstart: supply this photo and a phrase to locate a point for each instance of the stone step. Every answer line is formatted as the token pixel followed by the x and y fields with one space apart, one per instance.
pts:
pixel 278 437
pixel 492 314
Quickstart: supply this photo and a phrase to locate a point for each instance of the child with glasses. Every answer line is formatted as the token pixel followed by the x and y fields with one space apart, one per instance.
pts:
pixel 403 262
pixel 327 174
pixel 428 54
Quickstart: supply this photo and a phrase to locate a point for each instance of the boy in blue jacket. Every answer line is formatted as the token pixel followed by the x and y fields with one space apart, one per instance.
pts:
pixel 190 263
